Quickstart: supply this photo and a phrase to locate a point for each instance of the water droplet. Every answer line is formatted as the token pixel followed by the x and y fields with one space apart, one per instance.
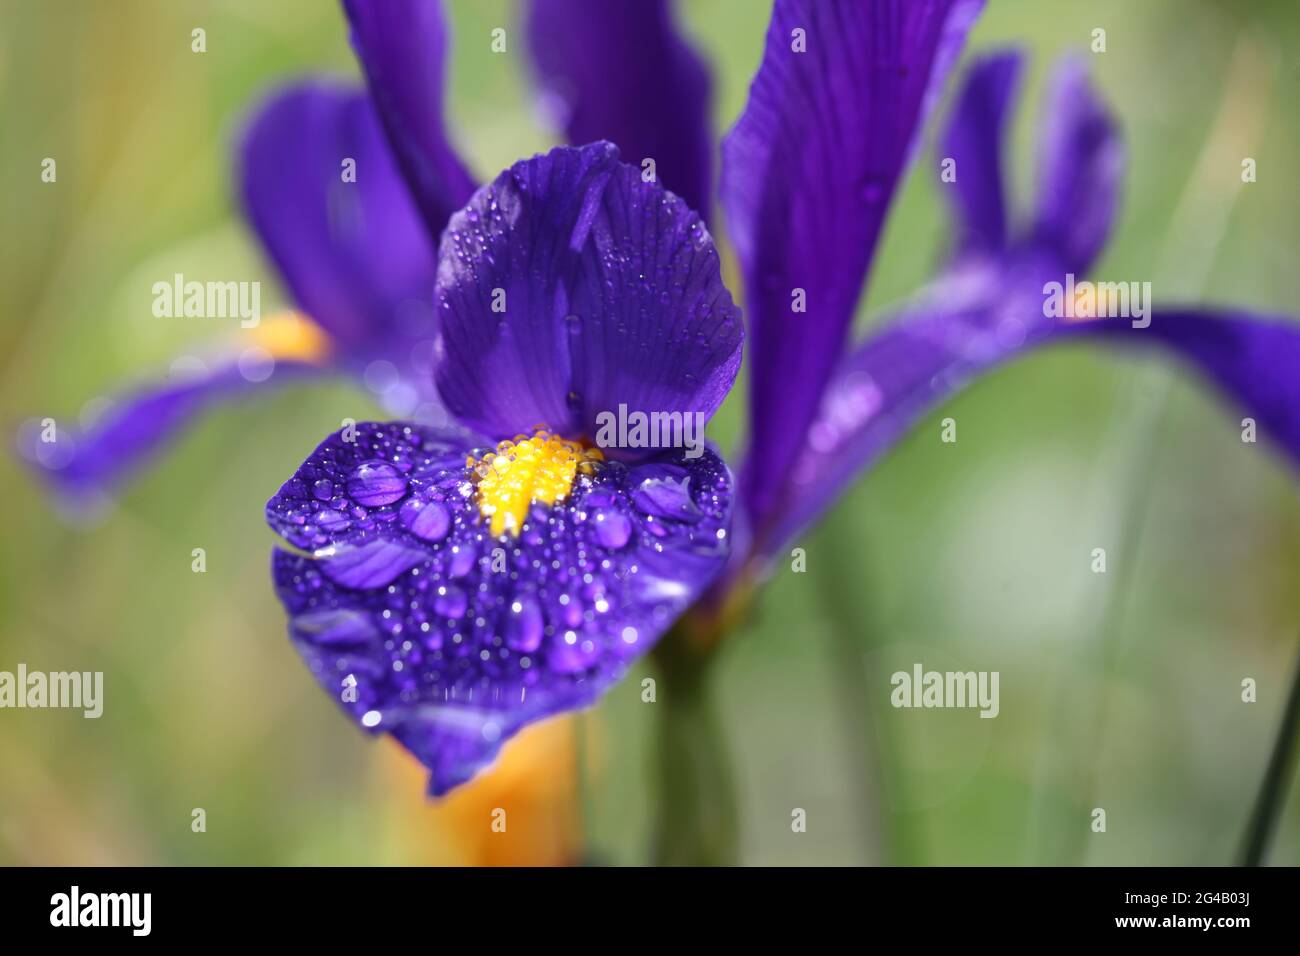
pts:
pixel 256 364
pixel 450 601
pixel 666 494
pixel 524 625
pixel 334 628
pixel 375 483
pixel 568 655
pixel 429 520
pixel 462 562
pixel 613 528
pixel 330 520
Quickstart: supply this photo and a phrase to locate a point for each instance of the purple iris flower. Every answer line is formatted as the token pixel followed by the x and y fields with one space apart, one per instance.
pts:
pixel 460 585
pixel 985 307
pixel 453 581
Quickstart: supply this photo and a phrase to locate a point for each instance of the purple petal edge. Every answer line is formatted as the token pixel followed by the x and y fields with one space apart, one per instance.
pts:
pixel 85 466
pixel 808 175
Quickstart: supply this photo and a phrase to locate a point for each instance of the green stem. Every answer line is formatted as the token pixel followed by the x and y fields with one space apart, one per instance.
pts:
pixel 1073 750
pixel 1272 789
pixel 696 816
pixel 870 752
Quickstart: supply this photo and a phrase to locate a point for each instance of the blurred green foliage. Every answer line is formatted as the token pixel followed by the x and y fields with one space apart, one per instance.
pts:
pixel 971 556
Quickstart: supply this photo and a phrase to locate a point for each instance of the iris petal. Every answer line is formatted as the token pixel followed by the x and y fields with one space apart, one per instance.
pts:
pixel 425 626
pixel 85 466
pixel 807 177
pixel 402 46
pixel 1252 360
pixel 973 139
pixel 982 309
pixel 569 287
pixel 928 354
pixel 353 251
pixel 621 72
pixel 1080 168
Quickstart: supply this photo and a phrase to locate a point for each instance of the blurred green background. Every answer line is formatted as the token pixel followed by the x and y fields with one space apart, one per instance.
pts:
pixel 1119 691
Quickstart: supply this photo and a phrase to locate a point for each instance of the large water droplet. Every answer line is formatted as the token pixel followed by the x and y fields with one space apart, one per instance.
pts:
pixel 450 601
pixel 613 528
pixel 569 652
pixel 330 520
pixel 429 520
pixel 334 628
pixel 375 483
pixel 665 493
pixel 524 625
pixel 370 565
pixel 462 562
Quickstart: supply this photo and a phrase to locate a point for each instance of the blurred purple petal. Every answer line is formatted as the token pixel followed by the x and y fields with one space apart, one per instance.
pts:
pixel 85 465
pixel 354 253
pixel 934 349
pixel 569 287
pixel 1080 168
pixel 621 72
pixel 964 323
pixel 808 175
pixel 425 626
pixel 974 140
pixel 402 46
pixel 1252 360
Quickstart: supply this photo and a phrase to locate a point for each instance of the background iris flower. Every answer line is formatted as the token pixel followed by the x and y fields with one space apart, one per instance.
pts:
pixel 986 304
pixel 357 256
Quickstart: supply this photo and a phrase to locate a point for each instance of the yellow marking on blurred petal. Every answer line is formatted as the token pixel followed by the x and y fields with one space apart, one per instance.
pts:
pixel 1083 308
pixel 527 470
pixel 292 337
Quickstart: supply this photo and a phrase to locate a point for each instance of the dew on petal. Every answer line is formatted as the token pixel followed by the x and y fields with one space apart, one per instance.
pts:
pixel 429 520
pixel 376 483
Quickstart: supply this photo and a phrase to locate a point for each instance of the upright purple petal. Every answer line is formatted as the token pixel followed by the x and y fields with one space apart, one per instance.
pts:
pixel 423 625
pixel 402 46
pixel 621 72
pixel 569 287
pixel 808 175
pixel 973 139
pixel 353 251
pixel 1080 168
pixel 85 465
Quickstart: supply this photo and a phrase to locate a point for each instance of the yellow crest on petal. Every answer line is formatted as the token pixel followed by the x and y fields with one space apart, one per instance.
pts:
pixel 527 470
